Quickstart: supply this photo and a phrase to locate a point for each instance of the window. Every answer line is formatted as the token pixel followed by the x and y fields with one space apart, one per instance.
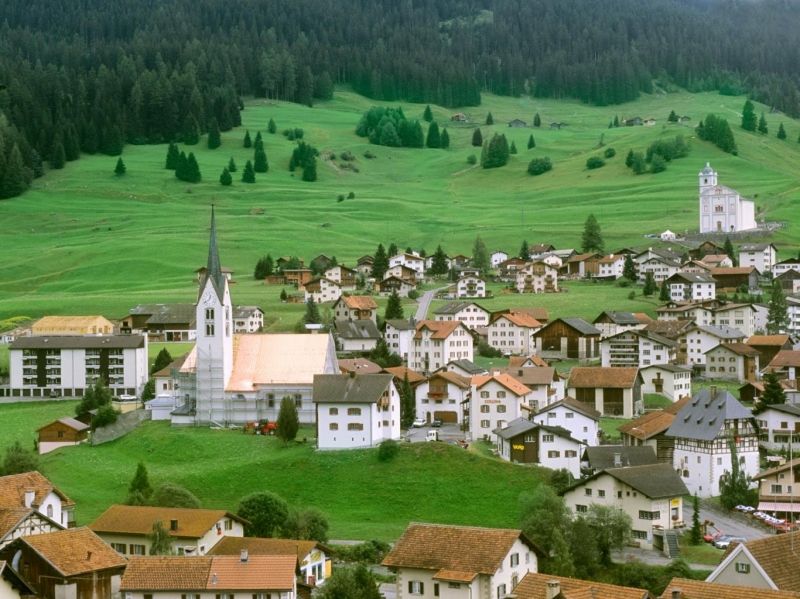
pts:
pixel 547 438
pixel 514 559
pixel 569 415
pixel 256 596
pixel 570 453
pixel 228 524
pixel 530 438
pixel 209 313
pixel 354 411
pixel 742 568
pixel 119 547
pixel 484 424
pixel 501 394
pixel 601 493
pixel 501 409
pixel 209 329
pixel 334 426
pixel 50 511
pixel 453 585
pixel 355 426
pixel 415 587
pixel 333 411
pixel 645 515
pixel 501 591
pixel 435 589
pixel 588 492
pixel 777 489
pixel 484 409
pixel 639 534
pixel 484 394
pixel 136 549
pixel 581 509
pixel 553 454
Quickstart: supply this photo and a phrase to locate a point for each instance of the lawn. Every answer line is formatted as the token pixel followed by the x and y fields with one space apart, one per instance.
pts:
pixel 175 349
pixel 705 553
pixel 654 401
pixel 84 241
pixel 610 427
pixel 363 498
pixel 21 420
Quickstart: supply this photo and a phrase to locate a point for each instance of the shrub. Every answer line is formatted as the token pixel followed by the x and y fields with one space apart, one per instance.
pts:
pixel 413 294
pixel 610 153
pixel 351 195
pixel 487 351
pixel 472 159
pixel 539 166
pixel 387 450
pixel 369 155
pixel 340 197
pixel 632 295
pixel 595 162
pixel 105 415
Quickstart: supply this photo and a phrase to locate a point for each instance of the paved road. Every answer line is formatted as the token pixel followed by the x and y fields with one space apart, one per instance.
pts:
pixel 425 303
pixel 447 432
pixel 730 523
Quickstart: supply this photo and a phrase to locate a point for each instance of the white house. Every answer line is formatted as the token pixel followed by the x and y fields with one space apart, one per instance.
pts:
pixel 722 210
pixel 652 495
pixel 470 286
pixel 637 348
pixel 526 442
pixel 496 400
pixel 736 361
pixel 400 286
pixel 761 567
pixel 582 421
pixel 412 261
pixel 247 319
pixel 778 426
pixel 356 335
pixel 346 277
pixel 743 317
pixel 610 267
pixel 762 256
pixel 661 267
pixel 399 336
pixel 691 286
pixel 537 277
pixel 436 343
pixel 512 332
pixel 460 562
pixel 356 410
pixel 784 266
pixel 31 490
pixel 497 258
pixel 443 396
pixel 612 322
pixel 321 290
pixel 793 310
pixel 355 307
pixel 670 380
pixel 700 339
pixel 667 236
pixel 704 431
pixel 470 313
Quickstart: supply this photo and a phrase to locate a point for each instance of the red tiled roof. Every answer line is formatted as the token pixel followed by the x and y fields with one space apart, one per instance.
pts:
pixel 139 520
pixel 503 379
pixel 599 376
pixel 535 586
pixel 13 487
pixel 784 358
pixel 400 372
pixel 440 329
pixel 697 589
pixel 360 302
pixel 75 551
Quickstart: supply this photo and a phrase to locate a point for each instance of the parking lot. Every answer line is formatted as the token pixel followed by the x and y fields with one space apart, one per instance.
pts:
pixel 447 433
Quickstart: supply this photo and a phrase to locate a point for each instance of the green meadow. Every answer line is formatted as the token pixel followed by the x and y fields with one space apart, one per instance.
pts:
pixel 84 241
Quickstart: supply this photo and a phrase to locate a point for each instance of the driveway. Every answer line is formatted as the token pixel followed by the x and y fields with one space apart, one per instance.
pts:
pixel 730 523
pixel 449 433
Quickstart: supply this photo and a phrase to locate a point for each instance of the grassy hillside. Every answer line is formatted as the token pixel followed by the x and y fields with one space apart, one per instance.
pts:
pixel 83 240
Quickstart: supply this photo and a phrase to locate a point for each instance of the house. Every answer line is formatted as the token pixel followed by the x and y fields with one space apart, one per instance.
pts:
pixel 651 495
pixel 581 420
pixel 64 366
pixel 355 307
pixel 602 457
pixel 547 586
pixel 768 563
pixel 777 489
pixel 470 286
pixel 16 522
pixel 12 585
pixel 610 391
pixel 321 290
pixel 741 316
pixel 459 117
pixel 649 122
pixel 701 338
pixel 243 575
pixel 735 278
pixel 356 410
pixel 545 383
pixel 689 286
pixel 567 339
pixel 346 277
pixel 761 256
pixel 357 335
pixel 705 248
pixel 298 276
pixel 722 210
pixel 537 277
pixel 789 281
pixel 670 380
pixel 637 348
pixel 359 366
pixel 610 267
pixel 705 430
pixel 583 265
pixel 313 558
pixel 736 361
pixel 33 490
pixel 752 391
pixel 527 442
pixel 668 236
pixel 161 322
pixel 512 332
pixel 443 396
pixel 786 265
pixel 507 270
pixel 392 284
pixel 497 258
pixel 284 262
pixel 633 121
pixel 436 343
pixel 72 325
pixel 675 330
pixel 465 562
pixel 557 125
pixel 72 563
pixel 701 313
pixel 786 364
pixel 411 261
pixel 685 588
pixel 401 373
pixel 778 426
pixel 460 260
pixel 364 265
pixel 496 400
pixel 61 433
pixel 247 319
pixel 517 123
pixel 716 261
pixel 465 368
pixel 649 430
pixel 127 528
pixel 399 336
pixel 321 263
pixel 793 308
pixel 660 267
pixel 469 313
pixel 610 323
pixel 165 379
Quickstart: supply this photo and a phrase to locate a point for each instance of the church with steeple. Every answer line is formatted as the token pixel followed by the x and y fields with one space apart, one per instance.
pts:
pixel 230 379
pixel 722 210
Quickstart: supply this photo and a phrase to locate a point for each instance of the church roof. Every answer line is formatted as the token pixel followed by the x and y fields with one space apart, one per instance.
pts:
pixel 213 267
pixel 707 170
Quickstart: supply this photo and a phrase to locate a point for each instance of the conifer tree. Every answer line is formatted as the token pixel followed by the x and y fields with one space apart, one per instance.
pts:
pixel 445 139
pixel 616 120
pixel 773 391
pixel 260 164
pixel 749 119
pixel 172 157
pixel 258 141
pixel 781 132
pixel 777 315
pixel 433 140
pixel 288 421
pixel 592 240
pixel 730 251
pixel 531 142
pixel 214 139
pixel 181 167
pixel 524 251
pixel 489 119
pixel 380 263
pixel 427 115
pixel 120 169
pixel 439 262
pixel 762 125
pixel 513 148
pixel 272 128
pixel 225 178
pixel 231 165
pixel 57 156
pixel 480 255
pixel 537 121
pixel 672 118
pixel 312 313
pixel 629 159
pixel 695 533
pixel 650 286
pixel 191 131
pixel 663 294
pixel 477 138
pixel 248 143
pixel 495 152
pixel 394 308
pixel 14 177
pixel 248 174
pixel 310 170
pixel 629 269
pixel 192 169
pixel 407 403
pixel 139 490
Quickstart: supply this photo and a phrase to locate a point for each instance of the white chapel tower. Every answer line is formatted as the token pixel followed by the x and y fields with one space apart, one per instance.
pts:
pixel 722 210
pixel 214 345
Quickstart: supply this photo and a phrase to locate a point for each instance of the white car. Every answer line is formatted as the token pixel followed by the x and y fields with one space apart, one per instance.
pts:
pixel 725 540
pixel 418 423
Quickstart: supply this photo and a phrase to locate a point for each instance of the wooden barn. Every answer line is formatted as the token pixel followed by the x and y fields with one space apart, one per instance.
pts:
pixel 568 339
pixel 62 433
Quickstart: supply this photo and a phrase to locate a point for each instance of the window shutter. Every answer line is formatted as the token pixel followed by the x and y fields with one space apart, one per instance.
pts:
pixel 410 587
pixel 422 588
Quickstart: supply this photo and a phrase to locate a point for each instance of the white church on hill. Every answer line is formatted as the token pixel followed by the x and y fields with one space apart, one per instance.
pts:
pixel 232 379
pixel 722 210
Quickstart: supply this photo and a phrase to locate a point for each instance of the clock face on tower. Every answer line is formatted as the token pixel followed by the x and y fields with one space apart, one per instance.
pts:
pixel 208 297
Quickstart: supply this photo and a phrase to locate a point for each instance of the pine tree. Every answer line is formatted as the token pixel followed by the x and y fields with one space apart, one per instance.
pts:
pixel 513 148
pixel 172 157
pixel 629 269
pixel 749 120
pixel 762 124
pixel 312 313
pixel 191 131
pixel 531 142
pixel 778 315
pixel 231 165
pixel 477 138
pixel 781 132
pixel 524 251
pixel 260 164
pixel 537 121
pixel 139 489
pixel 638 163
pixel 389 136
pixel 57 156
pixel 181 167
pixel 225 178
pixel 730 251
pixel 695 533
pixel 616 120
pixel 288 421
pixel 489 119
pixel 248 174
pixel 192 169
pixel 380 263
pixel 14 177
pixel 394 308
pixel 672 118
pixel 214 139
pixel 629 159
pixel 120 169
pixel 407 403
pixel 650 286
pixel 445 139
pixel 427 115
pixel 480 255
pixel 663 294
pixel 439 262
pixel 310 170
pixel 592 240
pixel 496 152
pixel 272 128
pixel 258 141
pixel 773 391
pixel 433 140
pixel 248 143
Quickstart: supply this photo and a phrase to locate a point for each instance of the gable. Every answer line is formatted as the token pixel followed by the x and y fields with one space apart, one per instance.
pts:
pixel 740 568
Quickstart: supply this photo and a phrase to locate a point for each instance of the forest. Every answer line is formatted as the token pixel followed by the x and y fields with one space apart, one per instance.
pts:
pixel 92 76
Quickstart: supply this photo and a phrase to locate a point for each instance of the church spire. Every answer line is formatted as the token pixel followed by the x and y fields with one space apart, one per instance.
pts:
pixel 213 267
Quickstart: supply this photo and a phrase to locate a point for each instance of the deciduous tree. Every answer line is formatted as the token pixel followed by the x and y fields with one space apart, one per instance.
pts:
pixel 265 512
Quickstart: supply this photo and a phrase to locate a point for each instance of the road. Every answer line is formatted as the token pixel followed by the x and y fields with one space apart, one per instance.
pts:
pixel 425 303
pixel 730 523
pixel 447 433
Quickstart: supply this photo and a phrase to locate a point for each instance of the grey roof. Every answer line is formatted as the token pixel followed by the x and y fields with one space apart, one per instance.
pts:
pixel 785 408
pixel 165 313
pixel 402 324
pixel 648 335
pixel 455 307
pixel 185 409
pixel 574 405
pixel 468 366
pixel 619 317
pixel 357 329
pixel 602 457
pixel 579 324
pixel 79 342
pixel 721 332
pixel 653 480
pixel 667 367
pixel 519 426
pixel 245 311
pixel 704 416
pixel 350 388
pixel 692 277
pixel 754 247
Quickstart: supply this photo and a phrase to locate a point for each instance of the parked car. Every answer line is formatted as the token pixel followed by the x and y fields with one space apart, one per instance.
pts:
pixel 436 423
pixel 418 423
pixel 711 537
pixel 725 540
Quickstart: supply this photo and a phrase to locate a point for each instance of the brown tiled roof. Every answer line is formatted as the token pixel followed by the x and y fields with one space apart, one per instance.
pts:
pixel 505 380
pixel 671 329
pixel 76 425
pixel 580 257
pixel 441 329
pixel 532 375
pixel 463 549
pixel 139 520
pixel 173 573
pixel 400 372
pixel 784 358
pixel 455 576
pixel 13 487
pixel 518 361
pixel 643 318
pixel 697 589
pixel 360 302
pixel 648 425
pixel 264 546
pixel 452 377
pixel 776 340
pixel 75 551
pixel 10 517
pixel 520 319
pixel 740 349
pixel 258 572
pixel 361 365
pixel 599 376
pixel 677 406
pixel 534 586
pixel 771 554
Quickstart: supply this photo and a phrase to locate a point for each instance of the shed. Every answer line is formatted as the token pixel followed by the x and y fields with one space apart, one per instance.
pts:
pixel 62 433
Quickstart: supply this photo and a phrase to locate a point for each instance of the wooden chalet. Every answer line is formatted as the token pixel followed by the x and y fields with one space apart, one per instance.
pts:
pixel 568 339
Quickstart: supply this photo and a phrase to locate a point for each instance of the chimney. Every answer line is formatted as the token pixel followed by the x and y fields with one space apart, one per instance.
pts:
pixel 676 594
pixel 553 589
pixel 173 525
pixel 214 578
pixel 244 556
pixel 88 555
pixel 713 391
pixel 30 495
